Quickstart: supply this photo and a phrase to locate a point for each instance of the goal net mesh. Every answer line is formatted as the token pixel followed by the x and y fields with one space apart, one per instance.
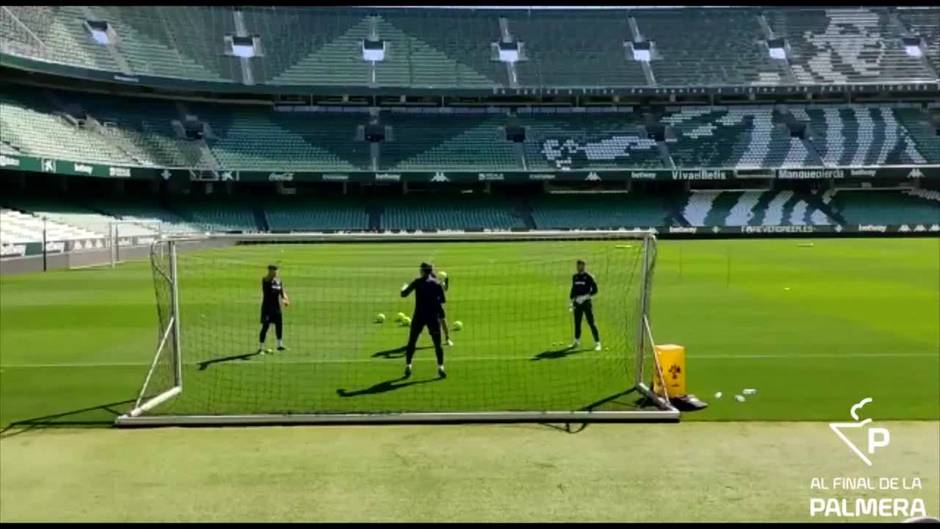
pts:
pixel 510 354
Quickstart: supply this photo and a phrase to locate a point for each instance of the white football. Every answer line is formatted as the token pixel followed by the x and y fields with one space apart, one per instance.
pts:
pixel 458 325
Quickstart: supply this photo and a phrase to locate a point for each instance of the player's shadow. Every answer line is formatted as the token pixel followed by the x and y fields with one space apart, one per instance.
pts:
pixel 398 352
pixel 205 365
pixel 555 354
pixel 384 387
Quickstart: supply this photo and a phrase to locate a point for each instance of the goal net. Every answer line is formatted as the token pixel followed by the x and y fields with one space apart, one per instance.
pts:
pixel 508 314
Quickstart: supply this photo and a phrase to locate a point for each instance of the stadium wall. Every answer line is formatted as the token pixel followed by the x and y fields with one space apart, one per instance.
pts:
pixel 69 260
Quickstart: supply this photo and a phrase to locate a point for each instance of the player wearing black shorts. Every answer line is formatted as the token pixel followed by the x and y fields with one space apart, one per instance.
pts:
pixel 429 307
pixel 583 287
pixel 272 294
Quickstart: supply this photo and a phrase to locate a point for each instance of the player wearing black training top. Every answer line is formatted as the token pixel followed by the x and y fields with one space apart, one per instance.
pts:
pixel 429 305
pixel 583 287
pixel 272 293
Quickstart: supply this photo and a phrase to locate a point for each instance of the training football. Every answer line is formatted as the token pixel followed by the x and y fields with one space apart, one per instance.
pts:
pixel 487 264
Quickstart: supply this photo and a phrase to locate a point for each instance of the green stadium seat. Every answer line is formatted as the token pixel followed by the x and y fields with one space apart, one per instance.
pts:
pixel 599 211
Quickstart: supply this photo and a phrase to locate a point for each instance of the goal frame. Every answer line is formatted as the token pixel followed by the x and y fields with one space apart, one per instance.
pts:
pixel 114 235
pixel 170 343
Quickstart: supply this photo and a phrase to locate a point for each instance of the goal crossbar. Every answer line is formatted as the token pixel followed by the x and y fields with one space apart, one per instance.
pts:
pixel 414 236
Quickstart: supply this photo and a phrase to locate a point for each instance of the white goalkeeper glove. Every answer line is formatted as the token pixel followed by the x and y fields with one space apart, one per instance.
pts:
pixel 404 286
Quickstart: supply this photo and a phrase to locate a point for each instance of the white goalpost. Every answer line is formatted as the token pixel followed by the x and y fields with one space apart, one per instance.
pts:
pixel 133 233
pixel 343 366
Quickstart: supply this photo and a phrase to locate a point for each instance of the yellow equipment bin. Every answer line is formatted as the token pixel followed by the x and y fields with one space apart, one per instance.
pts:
pixel 672 361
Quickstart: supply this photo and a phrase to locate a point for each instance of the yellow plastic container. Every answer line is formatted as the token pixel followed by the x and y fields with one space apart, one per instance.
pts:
pixel 672 361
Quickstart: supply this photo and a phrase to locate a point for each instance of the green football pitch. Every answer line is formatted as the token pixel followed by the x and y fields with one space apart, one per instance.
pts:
pixel 813 328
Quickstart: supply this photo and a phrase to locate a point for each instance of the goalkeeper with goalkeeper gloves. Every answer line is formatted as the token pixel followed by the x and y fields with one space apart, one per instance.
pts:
pixel 583 287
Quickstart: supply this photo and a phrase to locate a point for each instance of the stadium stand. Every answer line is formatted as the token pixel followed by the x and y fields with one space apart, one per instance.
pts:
pixel 443 213
pixel 924 23
pixel 212 215
pixel 578 141
pixel 87 220
pixel 443 48
pixel 141 132
pixel 552 46
pixel 725 47
pixel 463 39
pixel 927 194
pixel 455 142
pixel 54 34
pixel 560 211
pixel 70 220
pixel 886 206
pixel 33 126
pixel 320 214
pixel 17 227
pixel 305 47
pixel 850 45
pixel 707 208
pixel 733 137
pixel 136 210
pixel 557 53
pixel 141 128
pixel 261 139
pixel 915 125
pixel 173 41
pixel 870 135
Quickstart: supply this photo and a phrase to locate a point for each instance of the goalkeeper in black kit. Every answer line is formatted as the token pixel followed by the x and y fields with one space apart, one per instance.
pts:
pixel 583 287
pixel 429 305
pixel 272 295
